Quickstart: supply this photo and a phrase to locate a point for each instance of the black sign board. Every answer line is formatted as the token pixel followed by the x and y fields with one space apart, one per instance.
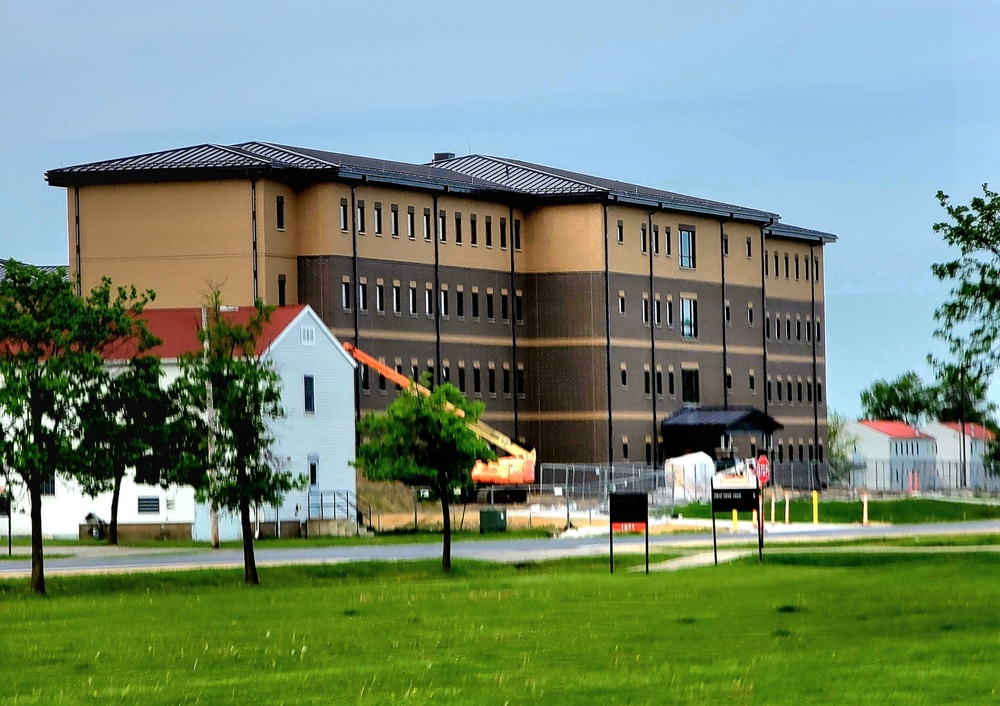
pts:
pixel 629 511
pixel 739 498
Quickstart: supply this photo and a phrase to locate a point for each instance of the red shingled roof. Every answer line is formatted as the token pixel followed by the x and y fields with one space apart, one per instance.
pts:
pixel 178 329
pixel 972 430
pixel 894 430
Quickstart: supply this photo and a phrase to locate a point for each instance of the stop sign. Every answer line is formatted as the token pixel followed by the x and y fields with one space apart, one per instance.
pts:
pixel 763 469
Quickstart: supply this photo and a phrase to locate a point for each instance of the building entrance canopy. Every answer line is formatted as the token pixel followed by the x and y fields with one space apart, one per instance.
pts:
pixel 702 429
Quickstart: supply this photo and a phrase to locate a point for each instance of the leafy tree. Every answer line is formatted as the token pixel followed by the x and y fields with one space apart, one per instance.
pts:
pixel 904 399
pixel 50 364
pixel 239 393
pixel 421 441
pixel 960 393
pixel 969 320
pixel 840 446
pixel 137 424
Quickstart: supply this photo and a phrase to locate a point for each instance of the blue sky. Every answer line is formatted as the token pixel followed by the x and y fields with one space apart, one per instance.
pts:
pixel 846 117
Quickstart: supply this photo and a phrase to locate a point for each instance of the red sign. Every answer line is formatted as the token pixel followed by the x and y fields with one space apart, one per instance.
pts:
pixel 628 526
pixel 763 469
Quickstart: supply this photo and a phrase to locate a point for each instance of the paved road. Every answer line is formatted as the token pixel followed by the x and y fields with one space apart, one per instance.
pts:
pixel 101 559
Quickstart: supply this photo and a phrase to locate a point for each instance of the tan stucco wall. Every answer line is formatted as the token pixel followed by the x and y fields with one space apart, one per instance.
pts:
pixel 179 239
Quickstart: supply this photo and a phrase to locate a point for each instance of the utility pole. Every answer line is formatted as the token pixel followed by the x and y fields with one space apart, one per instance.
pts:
pixel 213 516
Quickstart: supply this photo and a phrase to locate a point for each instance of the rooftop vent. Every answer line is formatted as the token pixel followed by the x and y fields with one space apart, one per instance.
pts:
pixel 442 156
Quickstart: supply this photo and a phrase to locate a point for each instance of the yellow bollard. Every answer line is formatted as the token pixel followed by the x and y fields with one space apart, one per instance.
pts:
pixel 736 522
pixel 815 507
pixel 787 509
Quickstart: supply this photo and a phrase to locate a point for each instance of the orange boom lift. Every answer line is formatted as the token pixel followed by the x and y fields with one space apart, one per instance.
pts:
pixel 516 469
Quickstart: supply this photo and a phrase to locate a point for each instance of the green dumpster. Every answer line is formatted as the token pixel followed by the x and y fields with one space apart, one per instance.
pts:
pixel 492 519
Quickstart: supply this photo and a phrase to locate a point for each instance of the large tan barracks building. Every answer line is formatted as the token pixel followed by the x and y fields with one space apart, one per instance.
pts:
pixel 582 311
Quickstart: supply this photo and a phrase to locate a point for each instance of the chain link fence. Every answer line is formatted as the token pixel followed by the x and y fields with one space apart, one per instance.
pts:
pixel 914 476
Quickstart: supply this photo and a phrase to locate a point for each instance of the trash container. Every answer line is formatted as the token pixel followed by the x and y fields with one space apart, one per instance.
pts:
pixel 493 519
pixel 95 526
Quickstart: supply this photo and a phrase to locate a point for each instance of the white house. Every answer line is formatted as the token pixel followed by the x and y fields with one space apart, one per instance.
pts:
pixel 890 455
pixel 958 468
pixel 314 439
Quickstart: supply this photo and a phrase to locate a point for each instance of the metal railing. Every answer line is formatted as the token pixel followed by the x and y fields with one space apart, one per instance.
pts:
pixel 585 482
pixel 918 475
pixel 338 505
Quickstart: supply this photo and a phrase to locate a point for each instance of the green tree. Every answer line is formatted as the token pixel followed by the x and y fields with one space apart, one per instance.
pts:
pixel 904 399
pixel 840 446
pixel 420 441
pixel 240 394
pixel 136 424
pixel 50 363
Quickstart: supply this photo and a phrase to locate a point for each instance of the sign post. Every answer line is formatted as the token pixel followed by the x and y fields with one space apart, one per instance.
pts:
pixel 736 493
pixel 629 513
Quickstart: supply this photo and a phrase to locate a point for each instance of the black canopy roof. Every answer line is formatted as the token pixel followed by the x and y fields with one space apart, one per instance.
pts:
pixel 700 429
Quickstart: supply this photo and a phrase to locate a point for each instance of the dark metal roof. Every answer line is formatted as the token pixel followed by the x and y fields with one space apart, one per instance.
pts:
pixel 484 175
pixel 724 419
pixel 799 233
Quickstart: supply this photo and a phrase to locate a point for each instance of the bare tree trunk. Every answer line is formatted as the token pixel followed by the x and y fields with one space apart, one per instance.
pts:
pixel 115 497
pixel 37 565
pixel 446 518
pixel 249 562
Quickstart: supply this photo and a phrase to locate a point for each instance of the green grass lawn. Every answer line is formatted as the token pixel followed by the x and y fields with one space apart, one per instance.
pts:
pixel 907 511
pixel 822 629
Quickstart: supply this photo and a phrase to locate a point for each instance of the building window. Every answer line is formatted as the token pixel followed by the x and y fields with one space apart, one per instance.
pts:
pixel 766 265
pixel 647 381
pixel 427 224
pixel 787 268
pixel 624 375
pixel 687 248
pixel 798 329
pixel 729 379
pixel 670 312
pixel 517 234
pixel 819 392
pixel 461 377
pixel 752 382
pixel 788 329
pixel 690 386
pixel 666 241
pixel 458 228
pixel 519 380
pixel 475 304
pixel 767 390
pixel 806 262
pixel 490 313
pixel 381 378
pixel 443 296
pixel 343 214
pixel 776 273
pixel 689 317
pixel 397 303
pixel 780 388
pixel 642 237
pixel 645 308
pixel 816 269
pixel 491 380
pixel 749 246
pixel 798 385
pixel 279 212
pixel 621 303
pixel 313 470
pixel 657 311
pixel 477 379
pixel 621 232
pixel 445 371
pixel 796 267
pixel 750 314
pixel 777 327
pixel 817 330
pixel 309 393
pixel 281 290
pixel 460 303
pixel 788 388
pixel 307 335
pixel 345 295
pixel 504 305
pixel 656 239
pixel 413 300
pixel 725 244
pixel 519 307
pixel 394 221
pixel 671 388
pixel 489 231
pixel 380 297
pixel 506 378
pixel 428 300
pixel 442 226
pixel 503 233
pixel 728 313
pixel 809 391
pixel 411 229
pixel 362 295
pixel 360 217
pixel 625 448
pixel 377 216
pixel 149 505
pixel 659 381
pixel 473 230
pixel 767 326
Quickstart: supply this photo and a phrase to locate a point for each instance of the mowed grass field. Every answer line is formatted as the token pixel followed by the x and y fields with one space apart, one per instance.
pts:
pixel 848 628
pixel 905 511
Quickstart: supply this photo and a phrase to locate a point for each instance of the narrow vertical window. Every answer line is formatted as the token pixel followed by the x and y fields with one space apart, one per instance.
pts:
pixel 442 227
pixel 728 313
pixel 519 380
pixel 687 248
pixel 475 304
pixel 767 267
pixel 427 224
pixel 647 384
pixel 671 386
pixel 656 239
pixel 659 381
pixel 343 215
pixel 460 302
pixel 752 381
pixel 444 303
pixel 461 377
pixel 624 375
pixel 725 244
pixel 397 302
pixel 360 217
pixel 503 233
pixel 504 305
pixel 363 295
pixel 281 290
pixel 517 234
pixel 473 230
pixel 411 231
pixel 490 313
pixel 657 311
pixel 458 228
pixel 428 300
pixel 621 232
pixel 394 221
pixel 380 297
pixel 642 237
pixel 489 231
pixel 519 306
pixel 477 379
pixel 491 380
pixel 309 393
pixel 645 308
pixel 787 267
pixel 378 218
pixel 690 386
pixel 279 204
pixel 749 246
pixel 621 302
pixel 413 299
pixel 345 295
pixel 505 378
pixel 796 267
pixel 750 314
